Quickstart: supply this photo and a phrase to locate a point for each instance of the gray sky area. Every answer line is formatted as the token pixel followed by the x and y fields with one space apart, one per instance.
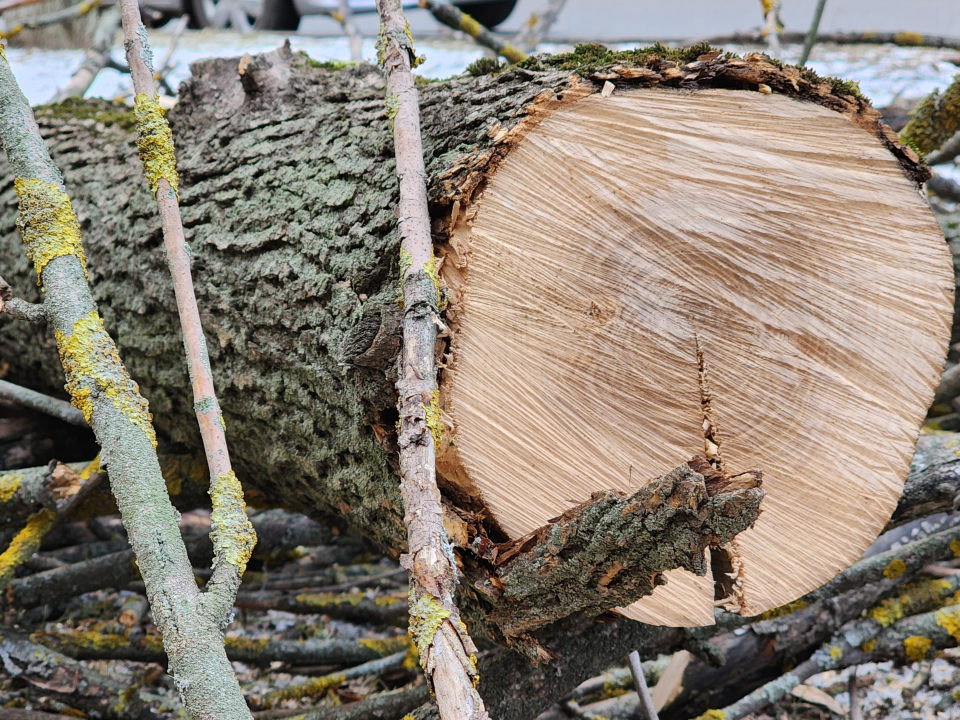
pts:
pixel 626 20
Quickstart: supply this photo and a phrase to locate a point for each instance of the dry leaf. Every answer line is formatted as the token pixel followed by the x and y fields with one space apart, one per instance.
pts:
pixel 810 694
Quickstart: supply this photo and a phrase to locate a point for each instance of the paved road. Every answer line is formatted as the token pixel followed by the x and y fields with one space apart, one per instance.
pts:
pixel 628 20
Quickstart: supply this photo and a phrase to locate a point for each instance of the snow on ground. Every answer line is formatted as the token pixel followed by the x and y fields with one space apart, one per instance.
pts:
pixel 886 73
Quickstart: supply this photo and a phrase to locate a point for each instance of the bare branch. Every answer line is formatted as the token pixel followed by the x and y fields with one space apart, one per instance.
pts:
pixel 447 653
pixel 42 403
pixel 454 17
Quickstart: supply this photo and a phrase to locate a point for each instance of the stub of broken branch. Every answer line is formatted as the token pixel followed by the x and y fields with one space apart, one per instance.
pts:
pixel 612 550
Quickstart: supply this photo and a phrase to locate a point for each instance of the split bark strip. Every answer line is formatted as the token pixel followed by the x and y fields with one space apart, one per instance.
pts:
pixel 233 534
pixel 100 386
pixel 453 17
pixel 42 403
pixel 447 652
pixel 536 30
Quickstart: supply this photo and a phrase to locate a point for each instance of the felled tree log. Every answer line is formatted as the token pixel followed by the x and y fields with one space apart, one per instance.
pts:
pixel 631 289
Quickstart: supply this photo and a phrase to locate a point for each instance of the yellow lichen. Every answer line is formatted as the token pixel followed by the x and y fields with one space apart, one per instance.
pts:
pixel 3 51
pixel 92 467
pixel 320 599
pixel 913 596
pixel 426 617
pixel 869 645
pixel 712 715
pixel 434 421
pixel 313 688
pixel 955 544
pixel 25 544
pixel 916 647
pixel 895 569
pixel 9 484
pixel 908 38
pixel 949 620
pixel 233 534
pixel 153 643
pixel 406 261
pixel 47 223
pixel 90 356
pixel 836 653
pixel 387 646
pixel 155 143
pixel 83 639
pixel 249 646
pixel 430 268
pixel 784 610
pixel 470 26
pixel 393 107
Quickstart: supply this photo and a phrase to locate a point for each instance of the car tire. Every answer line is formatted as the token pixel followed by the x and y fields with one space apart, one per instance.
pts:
pixel 489 14
pixel 278 15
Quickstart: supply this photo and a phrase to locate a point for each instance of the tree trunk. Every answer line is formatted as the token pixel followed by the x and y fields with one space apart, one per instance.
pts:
pixel 759 283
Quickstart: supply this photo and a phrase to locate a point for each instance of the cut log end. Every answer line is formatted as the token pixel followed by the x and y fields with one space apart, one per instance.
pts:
pixel 657 274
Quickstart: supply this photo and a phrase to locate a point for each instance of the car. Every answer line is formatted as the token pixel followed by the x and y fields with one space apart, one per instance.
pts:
pixel 285 14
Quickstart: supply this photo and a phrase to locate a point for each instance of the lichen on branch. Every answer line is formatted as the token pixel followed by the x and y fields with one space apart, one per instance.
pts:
pixel 92 365
pixel 155 144
pixel 47 223
pixel 233 534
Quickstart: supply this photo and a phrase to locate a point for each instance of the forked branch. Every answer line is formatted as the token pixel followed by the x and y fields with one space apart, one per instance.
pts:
pixel 103 390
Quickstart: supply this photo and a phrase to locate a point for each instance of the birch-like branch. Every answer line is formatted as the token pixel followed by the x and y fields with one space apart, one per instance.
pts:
pixel 103 390
pixel 453 17
pixel 42 403
pixel 96 57
pixel 447 653
pixel 233 535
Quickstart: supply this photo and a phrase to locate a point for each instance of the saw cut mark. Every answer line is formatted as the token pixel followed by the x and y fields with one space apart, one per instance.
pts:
pixel 779 239
pixel 711 434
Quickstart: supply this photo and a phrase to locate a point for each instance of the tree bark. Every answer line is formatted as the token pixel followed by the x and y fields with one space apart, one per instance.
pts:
pixel 288 187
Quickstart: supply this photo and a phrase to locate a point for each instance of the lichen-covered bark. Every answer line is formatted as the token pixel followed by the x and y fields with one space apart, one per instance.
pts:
pixel 610 552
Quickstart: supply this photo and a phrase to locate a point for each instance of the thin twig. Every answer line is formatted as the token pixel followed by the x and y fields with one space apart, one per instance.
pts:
pixel 344 16
pixel 96 57
pixel 534 32
pixel 947 152
pixel 232 533
pixel 454 17
pixel 447 653
pixel 812 34
pixel 318 686
pixel 640 683
pixel 944 188
pixel 42 403
pixel 165 65
pixel 902 39
pixel 852 692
